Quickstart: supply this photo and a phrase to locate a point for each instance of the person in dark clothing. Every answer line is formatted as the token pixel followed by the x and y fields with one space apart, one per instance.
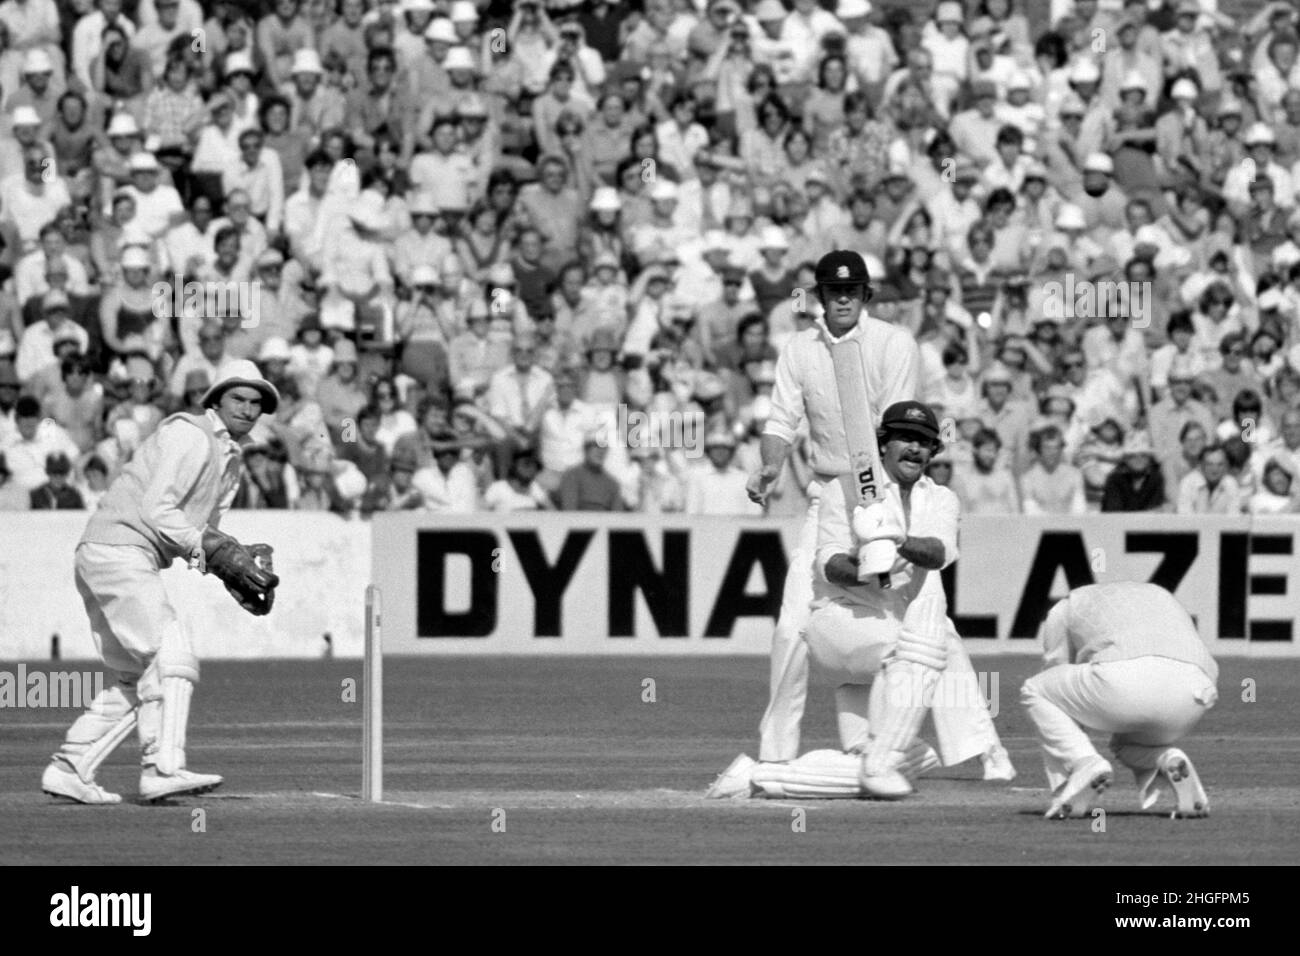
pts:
pixel 588 486
pixel 56 494
pixel 1136 484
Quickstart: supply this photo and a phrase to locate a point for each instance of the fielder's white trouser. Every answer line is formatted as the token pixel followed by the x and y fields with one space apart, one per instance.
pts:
pixel 788 686
pixel 1147 703
pixel 140 639
pixel 962 723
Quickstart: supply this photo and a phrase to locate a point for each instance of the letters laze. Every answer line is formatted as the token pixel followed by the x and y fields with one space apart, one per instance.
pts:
pixel 750 585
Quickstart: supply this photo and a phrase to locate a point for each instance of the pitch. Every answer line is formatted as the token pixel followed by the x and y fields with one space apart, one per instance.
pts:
pixel 583 760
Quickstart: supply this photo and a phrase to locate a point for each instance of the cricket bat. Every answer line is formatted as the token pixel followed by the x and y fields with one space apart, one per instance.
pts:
pixel 864 482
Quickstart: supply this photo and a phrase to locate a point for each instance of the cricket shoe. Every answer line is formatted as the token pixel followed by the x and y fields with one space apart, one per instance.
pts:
pixel 59 781
pixel 734 783
pixel 1176 767
pixel 158 786
pixel 997 765
pixel 1087 781
pixel 883 784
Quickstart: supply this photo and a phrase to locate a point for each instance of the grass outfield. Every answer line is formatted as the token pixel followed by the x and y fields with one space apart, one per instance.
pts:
pixel 567 757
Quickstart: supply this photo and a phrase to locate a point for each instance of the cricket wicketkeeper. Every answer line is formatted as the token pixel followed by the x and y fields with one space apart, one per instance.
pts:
pixel 167 503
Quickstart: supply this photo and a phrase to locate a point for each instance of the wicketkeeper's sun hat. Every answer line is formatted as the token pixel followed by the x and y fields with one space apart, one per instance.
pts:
pixel 243 372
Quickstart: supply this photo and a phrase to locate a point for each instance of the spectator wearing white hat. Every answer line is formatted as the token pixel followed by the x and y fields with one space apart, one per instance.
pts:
pixel 1181 131
pixel 217 148
pixel 39 87
pixel 314 106
pixel 413 18
pixel 30 199
pixel 279 34
pixel 279 304
pixel 869 48
pixel 1021 110
pixel 571 47
pixel 946 42
pixel 1101 201
pixel 158 207
pixel 1258 162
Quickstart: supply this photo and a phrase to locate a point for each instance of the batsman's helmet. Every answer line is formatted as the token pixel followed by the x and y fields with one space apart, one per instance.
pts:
pixel 843 267
pixel 910 418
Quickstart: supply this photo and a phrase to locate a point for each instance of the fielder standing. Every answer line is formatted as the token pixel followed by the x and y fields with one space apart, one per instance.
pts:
pixel 806 388
pixel 167 504
pixel 1122 658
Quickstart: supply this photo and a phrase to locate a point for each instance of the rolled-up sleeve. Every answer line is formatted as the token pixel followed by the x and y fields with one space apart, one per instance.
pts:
pixel 183 451
pixel 787 399
pixel 938 519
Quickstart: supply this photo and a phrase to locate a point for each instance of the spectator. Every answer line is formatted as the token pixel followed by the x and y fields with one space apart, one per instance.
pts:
pixel 340 393
pixel 1136 483
pixel 1168 416
pixel 588 486
pixel 95 485
pixel 36 350
pixel 447 485
pixel 37 439
pixel 77 403
pixel 319 488
pixel 396 492
pixel 519 490
pixel 988 486
pixel 1050 486
pixel 1277 494
pixel 718 488
pixel 1210 489
pixel 518 395
pixel 363 444
pixel 57 494
pixel 564 427
pixel 1192 441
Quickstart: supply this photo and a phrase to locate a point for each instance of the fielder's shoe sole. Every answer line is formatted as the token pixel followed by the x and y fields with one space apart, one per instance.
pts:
pixel 1192 798
pixel 1087 782
pixel 997 765
pixel 64 784
pixel 735 782
pixel 155 786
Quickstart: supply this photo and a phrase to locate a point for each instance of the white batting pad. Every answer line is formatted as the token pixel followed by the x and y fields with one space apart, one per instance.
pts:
pixel 817 775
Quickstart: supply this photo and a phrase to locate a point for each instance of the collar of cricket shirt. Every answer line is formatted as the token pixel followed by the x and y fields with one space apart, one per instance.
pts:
pixel 221 431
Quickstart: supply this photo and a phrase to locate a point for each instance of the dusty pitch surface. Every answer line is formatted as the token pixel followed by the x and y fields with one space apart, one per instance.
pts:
pixel 578 768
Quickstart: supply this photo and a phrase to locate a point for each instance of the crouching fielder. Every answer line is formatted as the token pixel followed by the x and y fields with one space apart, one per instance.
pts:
pixel 884 648
pixel 1122 658
pixel 167 504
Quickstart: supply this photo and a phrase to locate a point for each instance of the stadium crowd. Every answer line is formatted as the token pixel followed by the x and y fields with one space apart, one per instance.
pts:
pixel 469 242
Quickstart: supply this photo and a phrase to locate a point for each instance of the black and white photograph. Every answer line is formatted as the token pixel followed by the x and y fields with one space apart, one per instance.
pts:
pixel 650 433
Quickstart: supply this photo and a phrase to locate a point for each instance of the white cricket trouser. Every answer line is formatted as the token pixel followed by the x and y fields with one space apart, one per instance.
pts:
pixel 788 686
pixel 1147 703
pixel 130 619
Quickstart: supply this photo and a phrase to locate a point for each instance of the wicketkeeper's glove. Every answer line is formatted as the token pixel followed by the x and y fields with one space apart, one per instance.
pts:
pixel 244 570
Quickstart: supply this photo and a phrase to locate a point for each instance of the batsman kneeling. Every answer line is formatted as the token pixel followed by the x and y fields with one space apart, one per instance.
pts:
pixel 1124 658
pixel 167 503
pixel 879 626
